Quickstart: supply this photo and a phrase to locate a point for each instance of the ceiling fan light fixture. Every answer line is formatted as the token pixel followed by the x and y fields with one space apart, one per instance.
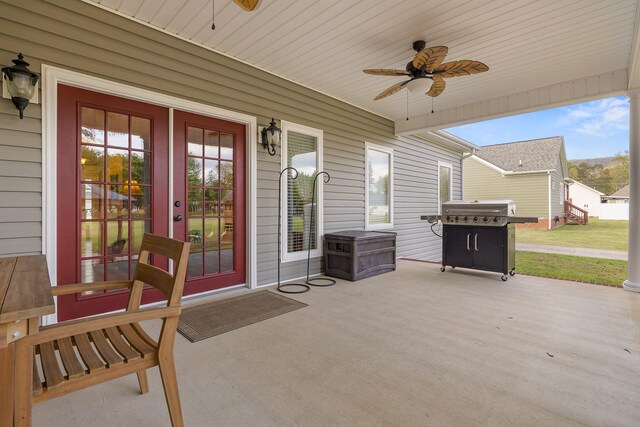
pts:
pixel 420 85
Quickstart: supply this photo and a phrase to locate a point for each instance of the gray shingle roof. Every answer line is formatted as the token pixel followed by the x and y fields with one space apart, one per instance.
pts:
pixel 623 192
pixel 524 156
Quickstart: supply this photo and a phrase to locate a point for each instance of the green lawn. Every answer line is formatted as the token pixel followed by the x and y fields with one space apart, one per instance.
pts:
pixel 593 270
pixel 599 234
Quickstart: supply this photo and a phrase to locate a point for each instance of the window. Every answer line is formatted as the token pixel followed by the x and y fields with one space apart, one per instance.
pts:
pixel 445 181
pixel 379 187
pixel 302 150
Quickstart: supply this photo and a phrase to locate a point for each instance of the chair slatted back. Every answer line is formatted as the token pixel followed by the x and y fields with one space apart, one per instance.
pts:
pixel 171 285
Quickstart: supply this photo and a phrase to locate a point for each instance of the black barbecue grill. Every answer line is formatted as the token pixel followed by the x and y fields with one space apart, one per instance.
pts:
pixel 479 234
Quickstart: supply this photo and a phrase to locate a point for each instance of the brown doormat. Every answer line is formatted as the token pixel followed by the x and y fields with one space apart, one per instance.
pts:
pixel 217 317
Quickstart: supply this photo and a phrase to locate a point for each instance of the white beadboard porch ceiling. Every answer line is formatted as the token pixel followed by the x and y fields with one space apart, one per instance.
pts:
pixel 540 53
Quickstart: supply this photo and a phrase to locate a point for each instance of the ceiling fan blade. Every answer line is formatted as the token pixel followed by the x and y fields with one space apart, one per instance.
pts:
pixel 391 90
pixel 247 5
pixel 437 87
pixel 430 57
pixel 460 68
pixel 386 72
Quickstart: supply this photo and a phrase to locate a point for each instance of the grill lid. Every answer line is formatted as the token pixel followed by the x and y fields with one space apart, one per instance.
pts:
pixel 480 207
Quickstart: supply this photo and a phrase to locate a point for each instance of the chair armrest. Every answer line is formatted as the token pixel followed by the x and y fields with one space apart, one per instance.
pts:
pixel 87 287
pixel 80 326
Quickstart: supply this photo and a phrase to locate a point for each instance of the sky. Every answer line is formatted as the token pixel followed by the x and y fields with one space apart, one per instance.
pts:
pixel 592 129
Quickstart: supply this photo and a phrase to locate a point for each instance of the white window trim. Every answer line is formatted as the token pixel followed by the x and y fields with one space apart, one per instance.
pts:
pixel 318 134
pixel 369 146
pixel 450 166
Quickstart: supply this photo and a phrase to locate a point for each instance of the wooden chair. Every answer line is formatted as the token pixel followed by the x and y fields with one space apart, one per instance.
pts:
pixel 110 346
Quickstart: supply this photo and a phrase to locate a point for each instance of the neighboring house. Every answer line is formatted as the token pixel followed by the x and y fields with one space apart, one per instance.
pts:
pixel 117 93
pixel 585 197
pixel 533 173
pixel 620 196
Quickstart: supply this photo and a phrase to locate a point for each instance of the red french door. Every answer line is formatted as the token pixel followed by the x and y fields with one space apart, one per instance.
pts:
pixel 112 187
pixel 209 199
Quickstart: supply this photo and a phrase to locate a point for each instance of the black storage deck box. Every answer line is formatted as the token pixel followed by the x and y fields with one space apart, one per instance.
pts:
pixel 355 254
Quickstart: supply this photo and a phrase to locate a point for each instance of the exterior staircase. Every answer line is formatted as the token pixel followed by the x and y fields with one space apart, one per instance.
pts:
pixel 575 214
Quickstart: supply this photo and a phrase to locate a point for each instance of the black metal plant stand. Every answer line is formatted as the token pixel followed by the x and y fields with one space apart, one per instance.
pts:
pixel 301 287
pixel 323 281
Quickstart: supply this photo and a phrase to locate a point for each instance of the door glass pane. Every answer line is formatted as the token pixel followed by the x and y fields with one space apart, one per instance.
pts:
pixel 117 237
pixel 195 231
pixel 140 201
pixel 211 173
pixel 211 142
pixel 211 231
pixel 211 261
pixel 92 270
pixel 226 146
pixel 138 228
pixel 194 141
pixel 226 174
pixel 141 167
pixel 91 239
pixel 91 201
pixel 226 231
pixel 194 202
pixel 226 259
pixel 92 163
pixel 195 267
pixel 211 205
pixel 92 128
pixel 140 133
pixel 118 268
pixel 226 202
pixel 117 130
pixel 117 165
pixel 194 170
pixel 118 201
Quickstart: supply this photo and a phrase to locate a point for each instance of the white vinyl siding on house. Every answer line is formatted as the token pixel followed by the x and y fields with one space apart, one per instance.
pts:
pixel 92 41
pixel 378 187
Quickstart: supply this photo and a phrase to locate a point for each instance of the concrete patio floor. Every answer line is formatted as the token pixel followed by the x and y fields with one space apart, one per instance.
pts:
pixel 409 348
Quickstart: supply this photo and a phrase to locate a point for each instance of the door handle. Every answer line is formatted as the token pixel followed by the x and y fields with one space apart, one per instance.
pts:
pixel 475 242
pixel 177 218
pixel 468 246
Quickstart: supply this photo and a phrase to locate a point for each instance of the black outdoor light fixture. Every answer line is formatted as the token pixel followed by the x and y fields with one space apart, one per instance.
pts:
pixel 21 83
pixel 271 137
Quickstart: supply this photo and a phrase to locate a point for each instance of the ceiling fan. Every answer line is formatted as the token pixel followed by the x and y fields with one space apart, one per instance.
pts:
pixel 247 5
pixel 427 67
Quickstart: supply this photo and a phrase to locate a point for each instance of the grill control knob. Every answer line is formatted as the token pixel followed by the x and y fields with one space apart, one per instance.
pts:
pixel 485 219
pixel 448 218
pixel 496 219
pixel 466 218
pixel 457 218
pixel 475 219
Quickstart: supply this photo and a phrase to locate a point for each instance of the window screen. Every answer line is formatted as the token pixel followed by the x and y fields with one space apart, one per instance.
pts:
pixel 302 154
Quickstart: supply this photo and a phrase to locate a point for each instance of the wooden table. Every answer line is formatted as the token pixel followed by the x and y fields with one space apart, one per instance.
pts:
pixel 25 296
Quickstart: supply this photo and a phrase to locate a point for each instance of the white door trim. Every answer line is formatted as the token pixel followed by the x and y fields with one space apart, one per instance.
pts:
pixel 52 76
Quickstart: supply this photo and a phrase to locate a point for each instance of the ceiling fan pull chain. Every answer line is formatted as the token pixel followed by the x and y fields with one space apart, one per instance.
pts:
pixel 407 104
pixel 213 14
pixel 432 105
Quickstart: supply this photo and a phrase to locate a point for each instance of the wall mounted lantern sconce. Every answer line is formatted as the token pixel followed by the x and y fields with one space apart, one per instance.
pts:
pixel 271 137
pixel 20 83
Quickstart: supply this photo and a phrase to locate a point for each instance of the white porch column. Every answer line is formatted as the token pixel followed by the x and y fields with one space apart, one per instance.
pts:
pixel 633 276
